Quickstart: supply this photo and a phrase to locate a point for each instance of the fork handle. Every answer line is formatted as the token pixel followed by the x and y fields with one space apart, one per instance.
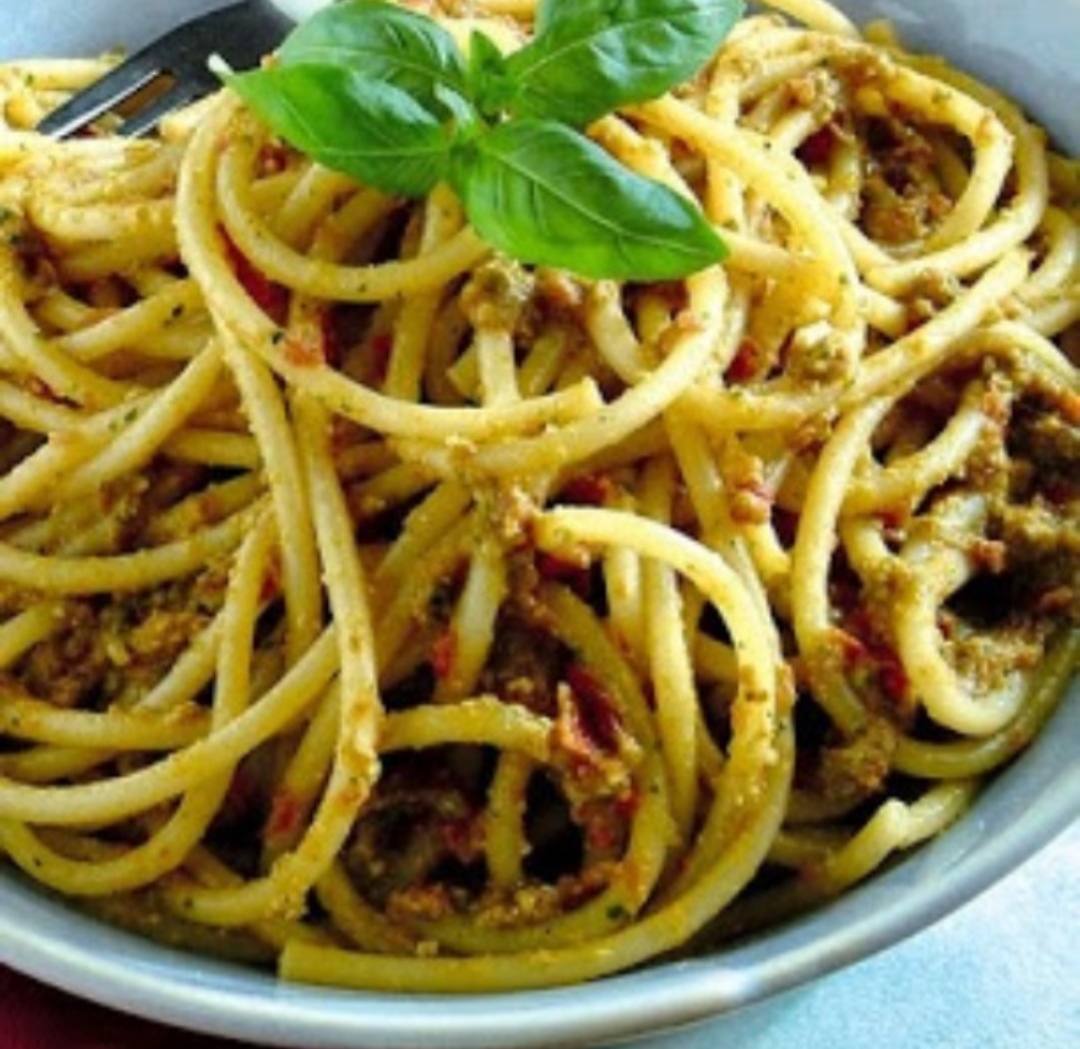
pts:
pixel 298 10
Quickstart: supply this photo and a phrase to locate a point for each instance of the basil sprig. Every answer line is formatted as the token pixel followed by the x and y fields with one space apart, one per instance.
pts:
pixel 384 94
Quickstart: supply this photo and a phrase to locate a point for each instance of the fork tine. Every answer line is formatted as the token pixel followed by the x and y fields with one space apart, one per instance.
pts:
pixel 101 96
pixel 148 118
pixel 242 31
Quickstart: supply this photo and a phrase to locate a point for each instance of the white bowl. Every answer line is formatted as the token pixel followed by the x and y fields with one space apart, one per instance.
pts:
pixel 1029 54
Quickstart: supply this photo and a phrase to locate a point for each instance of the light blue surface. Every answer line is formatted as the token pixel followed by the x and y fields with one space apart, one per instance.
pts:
pixel 1003 972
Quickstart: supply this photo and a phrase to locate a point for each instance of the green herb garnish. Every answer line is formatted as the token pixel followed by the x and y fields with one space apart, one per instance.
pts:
pixel 384 94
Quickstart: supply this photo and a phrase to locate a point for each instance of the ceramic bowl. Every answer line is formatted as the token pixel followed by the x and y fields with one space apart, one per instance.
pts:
pixel 1029 52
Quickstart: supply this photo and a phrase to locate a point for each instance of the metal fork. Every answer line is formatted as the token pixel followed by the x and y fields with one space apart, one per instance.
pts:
pixel 172 70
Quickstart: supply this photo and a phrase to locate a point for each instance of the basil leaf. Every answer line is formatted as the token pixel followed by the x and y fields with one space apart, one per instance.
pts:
pixel 371 130
pixel 544 194
pixel 490 83
pixel 383 94
pixel 380 42
pixel 589 57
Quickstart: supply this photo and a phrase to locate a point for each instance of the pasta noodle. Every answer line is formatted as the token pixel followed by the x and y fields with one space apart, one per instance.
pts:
pixel 385 610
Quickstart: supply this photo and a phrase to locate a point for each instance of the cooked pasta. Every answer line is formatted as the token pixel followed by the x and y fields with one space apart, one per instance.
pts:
pixel 380 608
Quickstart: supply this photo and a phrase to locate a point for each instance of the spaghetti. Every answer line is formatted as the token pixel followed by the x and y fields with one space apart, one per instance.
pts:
pixel 379 607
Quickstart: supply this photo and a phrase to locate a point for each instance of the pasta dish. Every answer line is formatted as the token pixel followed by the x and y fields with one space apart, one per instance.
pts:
pixel 385 610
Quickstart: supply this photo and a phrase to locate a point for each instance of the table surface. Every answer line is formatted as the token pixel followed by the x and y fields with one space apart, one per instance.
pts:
pixel 1001 973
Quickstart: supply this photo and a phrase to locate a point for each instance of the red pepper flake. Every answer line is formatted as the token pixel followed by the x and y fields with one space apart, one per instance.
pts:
pixel 273 158
pixel 892 676
pixel 817 148
pixel 588 490
pixel 603 834
pixel 462 837
pixel 989 555
pixel 286 813
pixel 271 584
pixel 893 519
pixel 571 573
pixel 606 824
pixel 853 650
pixel 444 654
pixel 380 346
pixel 747 362
pixel 595 708
pixel 272 298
